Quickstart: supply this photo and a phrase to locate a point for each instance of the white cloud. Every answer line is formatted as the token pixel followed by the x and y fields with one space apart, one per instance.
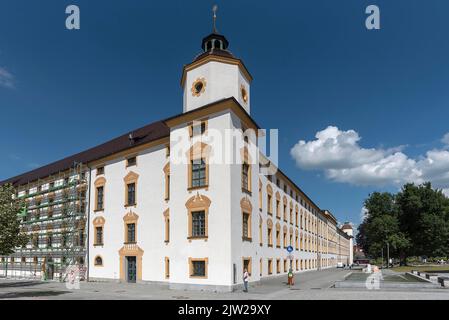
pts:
pixel 6 78
pixel 445 139
pixel 363 213
pixel 342 159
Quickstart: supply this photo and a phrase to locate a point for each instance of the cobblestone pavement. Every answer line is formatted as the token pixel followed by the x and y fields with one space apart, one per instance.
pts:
pixel 313 285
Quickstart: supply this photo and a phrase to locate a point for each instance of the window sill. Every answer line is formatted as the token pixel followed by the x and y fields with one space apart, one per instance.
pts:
pixel 278 247
pixel 197 238
pixel 270 214
pixel 130 205
pixel 244 190
pixel 198 277
pixel 198 188
pixel 98 244
pixel 247 239
pixel 99 210
pixel 270 246
pixel 134 242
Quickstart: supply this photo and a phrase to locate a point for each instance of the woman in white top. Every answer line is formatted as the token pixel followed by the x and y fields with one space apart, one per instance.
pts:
pixel 245 280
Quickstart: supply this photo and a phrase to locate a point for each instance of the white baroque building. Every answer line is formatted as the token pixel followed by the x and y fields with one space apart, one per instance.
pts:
pixel 155 210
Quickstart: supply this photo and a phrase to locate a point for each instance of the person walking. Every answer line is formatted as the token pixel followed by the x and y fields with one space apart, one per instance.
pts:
pixel 245 279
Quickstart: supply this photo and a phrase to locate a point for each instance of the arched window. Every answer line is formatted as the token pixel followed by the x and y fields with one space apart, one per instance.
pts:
pixel 167 225
pixel 98 261
pixel 130 181
pixel 296 240
pixel 284 200
pixel 269 199
pixel 167 180
pixel 291 212
pixel 278 205
pixel 270 232
pixel 247 210
pixel 296 216
pixel 285 236
pixel 278 235
pixel 99 231
pixel 291 236
pixel 99 193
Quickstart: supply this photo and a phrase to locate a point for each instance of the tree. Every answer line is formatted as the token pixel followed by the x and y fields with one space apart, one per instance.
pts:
pixel 424 216
pixel 381 226
pixel 414 222
pixel 10 233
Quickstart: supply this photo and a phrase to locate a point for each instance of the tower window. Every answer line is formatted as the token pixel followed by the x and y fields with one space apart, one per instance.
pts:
pixel 198 87
pixel 244 94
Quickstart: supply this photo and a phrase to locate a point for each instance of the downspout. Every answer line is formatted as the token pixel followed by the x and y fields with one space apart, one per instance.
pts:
pixel 88 223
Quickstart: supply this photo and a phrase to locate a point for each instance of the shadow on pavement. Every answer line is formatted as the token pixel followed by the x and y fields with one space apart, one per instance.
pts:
pixel 31 294
pixel 14 284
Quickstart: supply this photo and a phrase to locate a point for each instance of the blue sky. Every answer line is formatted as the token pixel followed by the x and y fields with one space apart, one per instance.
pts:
pixel 379 98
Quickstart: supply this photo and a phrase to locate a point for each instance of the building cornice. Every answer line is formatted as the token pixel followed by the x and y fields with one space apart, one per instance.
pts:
pixel 215 58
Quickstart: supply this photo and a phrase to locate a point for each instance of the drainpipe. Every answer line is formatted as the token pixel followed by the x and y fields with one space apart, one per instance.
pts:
pixel 88 223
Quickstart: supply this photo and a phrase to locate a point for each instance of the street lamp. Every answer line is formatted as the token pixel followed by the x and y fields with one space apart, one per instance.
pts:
pixel 388 255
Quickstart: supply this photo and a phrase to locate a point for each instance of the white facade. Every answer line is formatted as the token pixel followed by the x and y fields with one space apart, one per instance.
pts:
pixel 162 243
pixel 222 80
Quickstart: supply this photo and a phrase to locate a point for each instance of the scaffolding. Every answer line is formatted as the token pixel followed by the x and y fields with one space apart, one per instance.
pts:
pixel 54 217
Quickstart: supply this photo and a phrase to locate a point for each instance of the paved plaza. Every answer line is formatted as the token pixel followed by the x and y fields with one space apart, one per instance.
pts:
pixel 313 285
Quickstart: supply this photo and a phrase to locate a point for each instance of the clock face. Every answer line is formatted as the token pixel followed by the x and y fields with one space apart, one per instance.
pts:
pixel 244 94
pixel 198 87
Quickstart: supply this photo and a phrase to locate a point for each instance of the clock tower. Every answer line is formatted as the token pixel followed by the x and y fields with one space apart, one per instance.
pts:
pixel 215 74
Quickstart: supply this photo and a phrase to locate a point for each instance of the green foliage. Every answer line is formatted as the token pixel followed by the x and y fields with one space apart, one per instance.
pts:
pixel 414 222
pixel 10 234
